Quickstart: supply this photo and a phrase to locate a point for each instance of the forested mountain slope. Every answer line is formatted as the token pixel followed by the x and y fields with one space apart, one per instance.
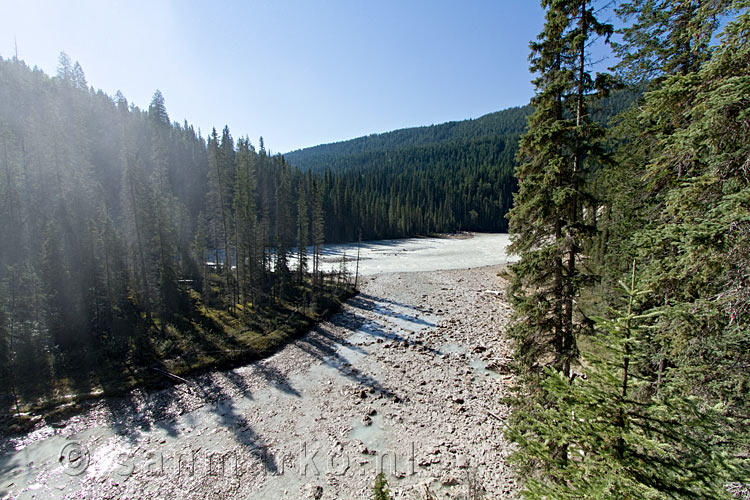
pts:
pixel 110 217
pixel 441 178
pixel 338 155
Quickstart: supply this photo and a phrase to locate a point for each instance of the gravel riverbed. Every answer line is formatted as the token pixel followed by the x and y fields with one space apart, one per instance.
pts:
pixel 407 379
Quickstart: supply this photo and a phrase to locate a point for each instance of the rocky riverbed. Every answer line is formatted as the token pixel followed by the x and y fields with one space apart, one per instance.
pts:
pixel 406 379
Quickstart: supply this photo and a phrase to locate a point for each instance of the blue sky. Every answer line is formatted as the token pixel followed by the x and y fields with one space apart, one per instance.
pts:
pixel 299 73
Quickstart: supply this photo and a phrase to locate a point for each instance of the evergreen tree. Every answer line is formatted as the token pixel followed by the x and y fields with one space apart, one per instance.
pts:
pixel 157 109
pixel 78 77
pixel 666 37
pixel 219 209
pixel 556 156
pixel 303 227
pixel 134 202
pixel 318 226
pixel 693 246
pixel 64 67
pixel 246 221
pixel 284 227
pixel 380 490
pixel 625 445
pixel 200 252
pixel 5 345
pixel 547 223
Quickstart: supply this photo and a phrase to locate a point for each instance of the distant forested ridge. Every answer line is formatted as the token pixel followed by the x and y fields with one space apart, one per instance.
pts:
pixel 336 156
pixel 417 181
pixel 424 180
pixel 128 239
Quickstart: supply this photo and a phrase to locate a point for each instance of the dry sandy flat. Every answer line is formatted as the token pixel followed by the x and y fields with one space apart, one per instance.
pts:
pixel 397 381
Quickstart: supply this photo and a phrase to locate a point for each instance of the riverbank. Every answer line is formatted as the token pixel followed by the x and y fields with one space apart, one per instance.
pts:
pixel 408 377
pixel 206 338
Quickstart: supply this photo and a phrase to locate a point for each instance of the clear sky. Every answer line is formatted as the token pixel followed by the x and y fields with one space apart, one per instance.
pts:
pixel 299 73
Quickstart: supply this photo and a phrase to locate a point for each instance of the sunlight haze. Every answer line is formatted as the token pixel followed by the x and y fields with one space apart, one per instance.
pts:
pixel 297 73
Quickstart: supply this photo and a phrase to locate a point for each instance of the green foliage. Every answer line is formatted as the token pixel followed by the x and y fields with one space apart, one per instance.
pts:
pixel 104 239
pixel 621 441
pixel 380 490
pixel 666 37
pixel 547 221
pixel 425 180
pixel 355 153
pixel 422 190
pixel 695 245
pixel 660 407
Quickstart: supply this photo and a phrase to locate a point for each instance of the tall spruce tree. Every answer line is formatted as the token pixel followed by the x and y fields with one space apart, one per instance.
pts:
pixel 666 37
pixel 246 221
pixel 303 227
pixel 555 156
pixel 694 246
pixel 677 203
pixel 219 209
pixel 549 231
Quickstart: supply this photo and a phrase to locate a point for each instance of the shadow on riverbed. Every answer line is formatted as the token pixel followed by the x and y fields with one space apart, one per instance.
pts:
pixel 233 419
pixel 224 394
pixel 381 305
pixel 323 346
pixel 336 353
pixel 275 378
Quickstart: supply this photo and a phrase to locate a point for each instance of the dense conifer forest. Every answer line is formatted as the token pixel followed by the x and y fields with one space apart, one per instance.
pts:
pixel 135 249
pixel 131 242
pixel 457 176
pixel 631 329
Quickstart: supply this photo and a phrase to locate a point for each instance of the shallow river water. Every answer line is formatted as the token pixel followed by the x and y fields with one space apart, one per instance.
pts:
pixel 420 254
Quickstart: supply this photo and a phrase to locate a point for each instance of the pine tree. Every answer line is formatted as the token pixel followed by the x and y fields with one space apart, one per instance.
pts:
pixel 157 109
pixel 246 221
pixel 284 226
pixel 555 157
pixel 79 78
pixel 380 490
pixel 303 228
pixel 623 443
pixel 219 224
pixel 547 221
pixel 64 67
pixel 134 200
pixel 318 227
pixel 694 247
pixel 200 253
pixel 5 345
pixel 666 37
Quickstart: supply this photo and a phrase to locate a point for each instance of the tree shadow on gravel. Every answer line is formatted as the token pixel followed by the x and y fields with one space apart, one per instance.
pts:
pixel 275 378
pixel 325 346
pixel 369 327
pixel 231 418
pixel 381 305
